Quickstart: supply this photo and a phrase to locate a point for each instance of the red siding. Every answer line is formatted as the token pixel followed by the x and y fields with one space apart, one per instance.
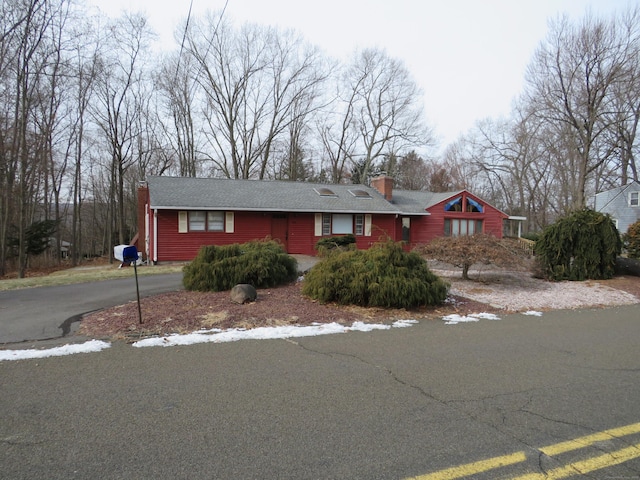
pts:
pixel 491 218
pixel 301 239
pixel 301 229
pixel 184 246
pixel 383 227
pixel 419 230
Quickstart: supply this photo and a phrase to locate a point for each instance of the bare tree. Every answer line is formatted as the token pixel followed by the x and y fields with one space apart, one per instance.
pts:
pixel 337 132
pixel 83 65
pixel 571 79
pixel 456 169
pixel 256 81
pixel 119 91
pixel 12 22
pixel 411 172
pixel 28 49
pixel 626 98
pixel 176 82
pixel 386 108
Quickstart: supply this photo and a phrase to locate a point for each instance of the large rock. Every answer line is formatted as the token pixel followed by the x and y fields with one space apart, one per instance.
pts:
pixel 243 293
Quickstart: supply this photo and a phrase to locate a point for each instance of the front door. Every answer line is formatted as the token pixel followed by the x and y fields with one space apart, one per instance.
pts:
pixel 279 229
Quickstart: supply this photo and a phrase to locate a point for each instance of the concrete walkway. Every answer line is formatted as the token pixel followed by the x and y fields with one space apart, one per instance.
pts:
pixel 305 262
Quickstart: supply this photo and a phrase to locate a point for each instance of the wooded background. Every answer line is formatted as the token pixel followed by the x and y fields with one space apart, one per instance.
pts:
pixel 89 108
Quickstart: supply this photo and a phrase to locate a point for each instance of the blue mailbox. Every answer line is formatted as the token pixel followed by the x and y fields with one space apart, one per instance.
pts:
pixel 130 254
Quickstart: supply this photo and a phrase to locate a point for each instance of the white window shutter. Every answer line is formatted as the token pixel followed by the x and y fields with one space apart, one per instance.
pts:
pixel 367 225
pixel 229 222
pixel 183 222
pixel 318 225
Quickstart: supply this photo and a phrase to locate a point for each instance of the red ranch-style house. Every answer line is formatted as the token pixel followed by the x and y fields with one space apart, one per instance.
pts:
pixel 177 215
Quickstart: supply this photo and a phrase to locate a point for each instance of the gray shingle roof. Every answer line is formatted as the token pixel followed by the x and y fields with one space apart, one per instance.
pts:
pixel 184 193
pixel 416 202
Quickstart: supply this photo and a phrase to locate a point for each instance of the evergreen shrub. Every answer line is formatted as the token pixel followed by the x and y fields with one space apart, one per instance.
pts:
pixel 631 240
pixel 262 264
pixel 583 245
pixel 533 236
pixel 326 245
pixel 382 276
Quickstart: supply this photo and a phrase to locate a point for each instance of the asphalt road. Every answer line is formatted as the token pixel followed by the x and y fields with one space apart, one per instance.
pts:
pixel 380 405
pixel 51 312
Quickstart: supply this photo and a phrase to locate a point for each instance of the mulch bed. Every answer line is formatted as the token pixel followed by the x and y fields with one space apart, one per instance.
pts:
pixel 184 311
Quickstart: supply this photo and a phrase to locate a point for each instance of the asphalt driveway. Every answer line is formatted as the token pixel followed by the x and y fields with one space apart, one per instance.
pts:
pixel 53 312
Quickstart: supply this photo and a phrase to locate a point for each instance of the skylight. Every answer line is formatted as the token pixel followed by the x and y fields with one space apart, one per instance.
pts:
pixel 325 192
pixel 360 193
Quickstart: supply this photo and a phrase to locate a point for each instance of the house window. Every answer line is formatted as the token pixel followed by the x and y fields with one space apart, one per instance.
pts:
pixel 343 223
pixel 454 227
pixel 633 199
pixel 206 221
pixel 473 206
pixel 454 205
pixel 359 224
pixel 406 229
pixel 463 204
pixel 197 221
pixel 215 221
pixel 326 224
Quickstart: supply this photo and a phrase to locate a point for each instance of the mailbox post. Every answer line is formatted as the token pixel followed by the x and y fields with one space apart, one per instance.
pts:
pixel 130 254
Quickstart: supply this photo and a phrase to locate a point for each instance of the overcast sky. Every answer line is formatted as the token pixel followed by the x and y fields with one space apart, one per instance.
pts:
pixel 468 56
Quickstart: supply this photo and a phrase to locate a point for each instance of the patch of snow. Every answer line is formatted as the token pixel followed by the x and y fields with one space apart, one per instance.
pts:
pixel 262 333
pixel 454 319
pixel 72 349
pixel 404 323
pixel 532 313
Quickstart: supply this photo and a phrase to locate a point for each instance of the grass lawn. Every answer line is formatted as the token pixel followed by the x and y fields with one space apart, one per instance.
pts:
pixel 85 274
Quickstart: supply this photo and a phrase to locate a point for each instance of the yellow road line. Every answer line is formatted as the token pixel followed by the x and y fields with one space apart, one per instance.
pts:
pixel 587 466
pixel 587 440
pixel 473 468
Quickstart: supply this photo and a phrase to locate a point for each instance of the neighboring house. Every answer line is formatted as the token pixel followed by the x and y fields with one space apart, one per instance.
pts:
pixel 180 214
pixel 63 251
pixel 622 203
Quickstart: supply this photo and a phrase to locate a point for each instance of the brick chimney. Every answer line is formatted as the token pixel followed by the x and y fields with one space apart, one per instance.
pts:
pixel 384 185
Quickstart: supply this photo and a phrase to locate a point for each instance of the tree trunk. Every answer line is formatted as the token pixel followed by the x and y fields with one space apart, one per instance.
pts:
pixel 465 271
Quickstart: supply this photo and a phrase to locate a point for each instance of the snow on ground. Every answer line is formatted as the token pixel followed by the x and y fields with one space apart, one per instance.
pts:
pixel 454 319
pixel 235 334
pixel 207 336
pixel 86 347
pixel 262 333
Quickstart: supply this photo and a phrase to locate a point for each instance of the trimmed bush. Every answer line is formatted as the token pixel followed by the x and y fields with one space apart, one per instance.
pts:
pixel 262 264
pixel 326 245
pixel 580 246
pixel 383 276
pixel 632 240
